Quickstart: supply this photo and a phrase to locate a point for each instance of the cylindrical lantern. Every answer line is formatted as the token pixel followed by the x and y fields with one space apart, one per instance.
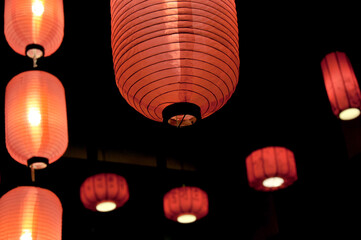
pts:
pixel 185 204
pixel 271 168
pixel 29 213
pixel 34 27
pixel 341 85
pixel 104 192
pixel 36 129
pixel 175 61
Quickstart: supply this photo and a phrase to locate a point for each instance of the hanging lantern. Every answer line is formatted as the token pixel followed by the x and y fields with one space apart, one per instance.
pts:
pixel 271 168
pixel 34 27
pixel 185 204
pixel 104 192
pixel 341 85
pixel 36 132
pixel 175 61
pixel 29 213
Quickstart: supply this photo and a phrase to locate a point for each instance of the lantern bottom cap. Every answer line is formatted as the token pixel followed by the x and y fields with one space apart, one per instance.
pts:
pixel 349 114
pixel 106 206
pixel 186 218
pixel 38 162
pixel 181 114
pixel 273 182
pixel 34 51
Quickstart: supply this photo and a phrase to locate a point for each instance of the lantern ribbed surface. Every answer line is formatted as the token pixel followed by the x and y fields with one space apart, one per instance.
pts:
pixel 38 22
pixel 168 52
pixel 341 85
pixel 104 188
pixel 29 213
pixel 35 117
pixel 185 201
pixel 271 168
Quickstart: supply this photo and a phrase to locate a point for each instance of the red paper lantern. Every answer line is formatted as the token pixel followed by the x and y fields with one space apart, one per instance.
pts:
pixel 341 85
pixel 185 204
pixel 34 27
pixel 271 168
pixel 29 213
pixel 104 192
pixel 175 61
pixel 36 129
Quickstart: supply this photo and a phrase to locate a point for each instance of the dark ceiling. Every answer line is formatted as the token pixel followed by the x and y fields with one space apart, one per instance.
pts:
pixel 280 100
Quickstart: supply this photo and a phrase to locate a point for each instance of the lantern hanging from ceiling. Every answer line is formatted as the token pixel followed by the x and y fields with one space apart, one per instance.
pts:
pixel 36 129
pixel 271 168
pixel 29 213
pixel 104 192
pixel 34 27
pixel 175 61
pixel 341 85
pixel 185 204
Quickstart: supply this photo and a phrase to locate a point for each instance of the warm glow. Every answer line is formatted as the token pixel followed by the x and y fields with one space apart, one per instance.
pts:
pixel 106 206
pixel 186 218
pixel 349 114
pixel 38 8
pixel 34 116
pixel 273 182
pixel 26 235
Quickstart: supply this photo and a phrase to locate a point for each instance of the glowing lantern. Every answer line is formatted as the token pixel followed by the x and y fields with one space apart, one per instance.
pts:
pixel 104 192
pixel 185 204
pixel 175 61
pixel 341 85
pixel 36 129
pixel 34 27
pixel 271 168
pixel 29 213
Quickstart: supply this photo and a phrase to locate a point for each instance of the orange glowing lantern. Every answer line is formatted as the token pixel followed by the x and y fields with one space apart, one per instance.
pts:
pixel 175 61
pixel 185 204
pixel 34 27
pixel 104 192
pixel 271 168
pixel 36 129
pixel 29 213
pixel 341 85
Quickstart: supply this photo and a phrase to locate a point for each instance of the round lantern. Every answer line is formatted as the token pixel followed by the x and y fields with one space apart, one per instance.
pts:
pixel 36 132
pixel 271 168
pixel 104 192
pixel 34 27
pixel 185 204
pixel 175 61
pixel 29 213
pixel 341 85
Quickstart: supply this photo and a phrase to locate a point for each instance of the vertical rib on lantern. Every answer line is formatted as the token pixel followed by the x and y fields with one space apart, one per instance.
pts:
pixel 341 85
pixel 168 52
pixel 104 192
pixel 190 202
pixel 29 213
pixel 271 168
pixel 35 117
pixel 39 22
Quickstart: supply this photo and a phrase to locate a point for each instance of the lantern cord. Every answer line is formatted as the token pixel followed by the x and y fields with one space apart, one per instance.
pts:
pixel 35 61
pixel 179 125
pixel 32 170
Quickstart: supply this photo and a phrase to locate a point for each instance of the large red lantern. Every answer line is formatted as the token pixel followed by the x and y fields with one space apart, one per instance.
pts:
pixel 34 27
pixel 36 129
pixel 29 213
pixel 271 168
pixel 185 204
pixel 341 85
pixel 104 192
pixel 175 61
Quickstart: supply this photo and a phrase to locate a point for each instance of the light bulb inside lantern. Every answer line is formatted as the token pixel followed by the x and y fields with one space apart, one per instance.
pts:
pixel 349 114
pixel 186 218
pixel 26 235
pixel 38 8
pixel 273 182
pixel 106 206
pixel 34 117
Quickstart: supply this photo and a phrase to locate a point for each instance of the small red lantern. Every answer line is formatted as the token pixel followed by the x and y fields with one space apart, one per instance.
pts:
pixel 271 168
pixel 185 204
pixel 34 27
pixel 29 213
pixel 104 192
pixel 175 61
pixel 36 129
pixel 341 85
